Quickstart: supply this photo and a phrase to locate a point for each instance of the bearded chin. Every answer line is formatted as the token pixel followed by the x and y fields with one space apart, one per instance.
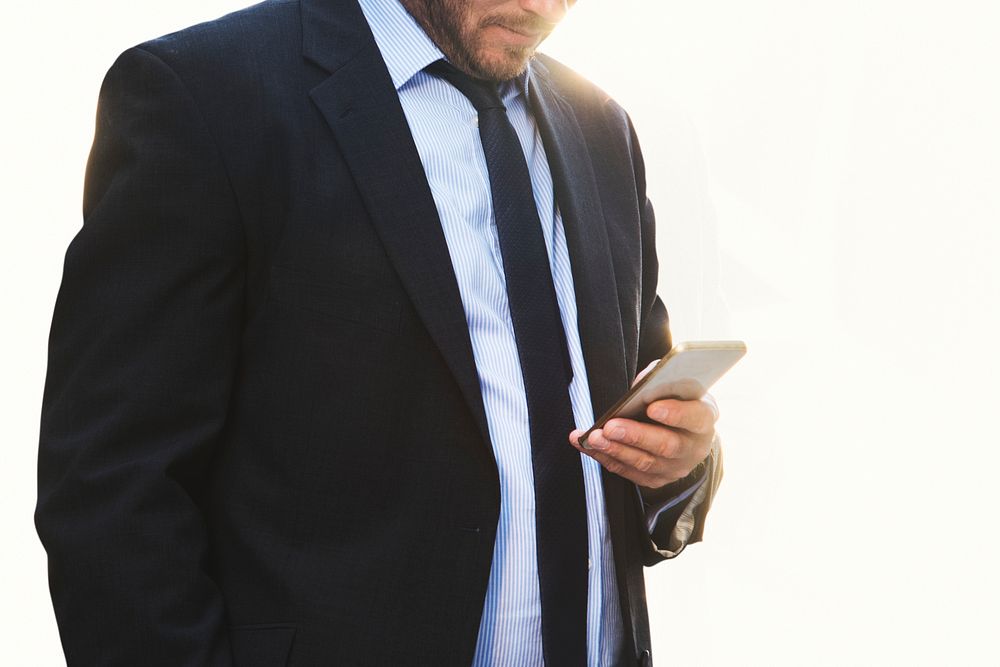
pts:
pixel 496 64
pixel 444 20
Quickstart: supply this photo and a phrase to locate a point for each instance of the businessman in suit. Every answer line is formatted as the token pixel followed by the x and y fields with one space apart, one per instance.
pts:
pixel 312 401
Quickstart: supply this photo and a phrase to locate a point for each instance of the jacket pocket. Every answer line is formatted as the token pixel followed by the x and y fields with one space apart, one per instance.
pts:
pixel 267 645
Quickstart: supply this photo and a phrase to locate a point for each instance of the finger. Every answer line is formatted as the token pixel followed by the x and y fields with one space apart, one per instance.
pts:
pixel 696 416
pixel 580 439
pixel 637 465
pixel 653 439
pixel 622 469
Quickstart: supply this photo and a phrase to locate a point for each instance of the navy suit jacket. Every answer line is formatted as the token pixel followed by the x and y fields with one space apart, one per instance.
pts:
pixel 263 441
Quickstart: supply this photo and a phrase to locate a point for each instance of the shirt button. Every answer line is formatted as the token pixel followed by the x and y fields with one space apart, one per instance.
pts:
pixel 475 121
pixel 588 563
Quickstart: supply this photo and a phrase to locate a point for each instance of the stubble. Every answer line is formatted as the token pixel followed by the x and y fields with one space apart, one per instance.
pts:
pixel 449 23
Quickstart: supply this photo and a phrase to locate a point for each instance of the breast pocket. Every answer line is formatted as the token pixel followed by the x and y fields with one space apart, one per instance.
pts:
pixel 359 302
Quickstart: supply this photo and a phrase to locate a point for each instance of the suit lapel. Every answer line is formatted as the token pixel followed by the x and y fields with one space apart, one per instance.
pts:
pixel 598 314
pixel 360 104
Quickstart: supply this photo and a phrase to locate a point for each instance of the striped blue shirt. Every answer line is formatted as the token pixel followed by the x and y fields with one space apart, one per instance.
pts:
pixel 444 127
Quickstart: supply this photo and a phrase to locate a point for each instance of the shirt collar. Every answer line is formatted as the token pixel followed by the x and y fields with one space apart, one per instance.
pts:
pixel 406 48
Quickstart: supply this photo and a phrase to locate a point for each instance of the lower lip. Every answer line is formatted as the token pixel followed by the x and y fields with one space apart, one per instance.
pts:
pixel 516 38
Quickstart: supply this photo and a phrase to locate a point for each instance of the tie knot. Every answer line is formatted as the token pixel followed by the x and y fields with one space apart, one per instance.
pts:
pixel 481 93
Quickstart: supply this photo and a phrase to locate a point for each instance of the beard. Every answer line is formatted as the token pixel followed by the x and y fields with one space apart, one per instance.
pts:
pixel 451 25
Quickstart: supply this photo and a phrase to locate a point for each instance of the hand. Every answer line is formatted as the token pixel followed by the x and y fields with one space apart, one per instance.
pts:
pixel 654 455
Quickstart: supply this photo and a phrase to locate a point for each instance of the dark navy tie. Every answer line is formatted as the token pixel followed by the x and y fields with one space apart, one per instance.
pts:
pixel 560 504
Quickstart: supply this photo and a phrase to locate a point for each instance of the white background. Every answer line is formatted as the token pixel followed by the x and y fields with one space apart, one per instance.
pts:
pixel 826 180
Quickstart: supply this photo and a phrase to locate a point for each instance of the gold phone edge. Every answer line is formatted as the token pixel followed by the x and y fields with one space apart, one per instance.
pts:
pixel 733 345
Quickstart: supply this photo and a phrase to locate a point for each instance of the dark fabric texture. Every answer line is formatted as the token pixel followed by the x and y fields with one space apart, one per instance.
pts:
pixel 560 502
pixel 262 408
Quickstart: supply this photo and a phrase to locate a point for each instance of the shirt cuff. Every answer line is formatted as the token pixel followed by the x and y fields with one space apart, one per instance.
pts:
pixel 654 511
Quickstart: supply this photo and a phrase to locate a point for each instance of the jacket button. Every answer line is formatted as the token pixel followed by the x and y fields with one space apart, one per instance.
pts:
pixel 645 659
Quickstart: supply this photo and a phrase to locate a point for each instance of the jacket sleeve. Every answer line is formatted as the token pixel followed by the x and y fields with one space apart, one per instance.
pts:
pixel 684 523
pixel 143 351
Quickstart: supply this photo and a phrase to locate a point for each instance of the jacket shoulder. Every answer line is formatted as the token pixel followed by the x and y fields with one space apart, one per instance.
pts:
pixel 261 32
pixel 582 93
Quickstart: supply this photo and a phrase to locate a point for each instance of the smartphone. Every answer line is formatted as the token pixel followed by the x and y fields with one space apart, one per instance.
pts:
pixel 685 373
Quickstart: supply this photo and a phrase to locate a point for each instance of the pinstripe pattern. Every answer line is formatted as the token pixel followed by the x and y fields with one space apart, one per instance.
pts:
pixel 443 124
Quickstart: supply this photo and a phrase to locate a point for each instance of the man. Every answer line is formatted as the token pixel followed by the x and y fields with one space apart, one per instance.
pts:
pixel 310 398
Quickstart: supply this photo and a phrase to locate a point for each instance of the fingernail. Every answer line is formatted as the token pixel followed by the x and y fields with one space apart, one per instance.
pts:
pixel 597 441
pixel 660 414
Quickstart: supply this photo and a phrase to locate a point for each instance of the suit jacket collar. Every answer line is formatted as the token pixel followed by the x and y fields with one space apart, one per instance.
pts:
pixel 359 102
pixel 598 312
pixel 333 32
pixel 361 106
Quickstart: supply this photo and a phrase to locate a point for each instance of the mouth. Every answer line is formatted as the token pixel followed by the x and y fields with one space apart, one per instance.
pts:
pixel 518 36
